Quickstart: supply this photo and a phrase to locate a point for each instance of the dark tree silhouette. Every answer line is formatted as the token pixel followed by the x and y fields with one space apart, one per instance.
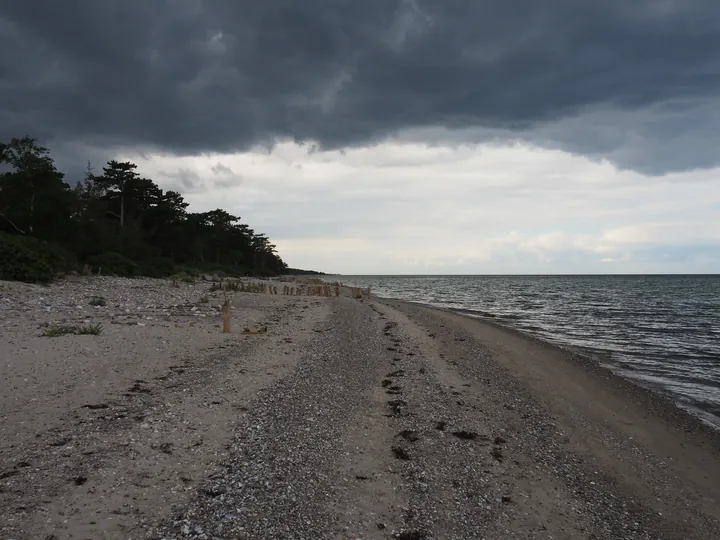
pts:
pixel 121 214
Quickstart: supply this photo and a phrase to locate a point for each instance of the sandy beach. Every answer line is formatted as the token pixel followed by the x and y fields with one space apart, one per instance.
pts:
pixel 346 419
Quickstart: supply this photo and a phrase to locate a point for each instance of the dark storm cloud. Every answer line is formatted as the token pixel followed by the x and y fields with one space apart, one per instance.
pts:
pixel 190 76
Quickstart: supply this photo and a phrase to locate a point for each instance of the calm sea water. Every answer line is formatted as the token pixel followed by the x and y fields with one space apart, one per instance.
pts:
pixel 661 331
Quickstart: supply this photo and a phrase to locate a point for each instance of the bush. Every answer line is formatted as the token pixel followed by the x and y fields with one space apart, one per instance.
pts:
pixel 23 258
pixel 112 263
pixel 190 271
pixel 157 267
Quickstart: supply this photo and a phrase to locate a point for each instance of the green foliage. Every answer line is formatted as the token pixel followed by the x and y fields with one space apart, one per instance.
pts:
pixel 34 200
pixel 27 259
pixel 181 277
pixel 157 267
pixel 57 330
pixel 142 229
pixel 89 329
pixel 299 272
pixel 97 301
pixel 112 263
pixel 194 272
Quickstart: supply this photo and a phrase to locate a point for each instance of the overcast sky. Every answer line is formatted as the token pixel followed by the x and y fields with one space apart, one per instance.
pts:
pixel 397 136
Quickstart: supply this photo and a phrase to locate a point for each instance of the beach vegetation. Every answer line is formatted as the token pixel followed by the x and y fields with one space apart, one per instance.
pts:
pixel 115 222
pixel 97 301
pixel 57 330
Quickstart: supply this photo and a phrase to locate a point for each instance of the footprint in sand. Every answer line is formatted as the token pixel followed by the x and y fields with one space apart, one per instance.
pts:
pixel 409 435
pixel 400 453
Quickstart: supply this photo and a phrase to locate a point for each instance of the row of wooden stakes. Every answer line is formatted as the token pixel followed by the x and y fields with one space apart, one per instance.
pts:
pixel 332 289
pixel 320 290
pixel 359 293
pixel 314 290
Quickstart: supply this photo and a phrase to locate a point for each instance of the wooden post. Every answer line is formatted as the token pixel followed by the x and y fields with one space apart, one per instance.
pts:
pixel 226 316
pixel 368 292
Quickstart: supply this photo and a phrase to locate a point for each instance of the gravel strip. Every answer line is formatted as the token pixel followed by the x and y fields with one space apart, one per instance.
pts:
pixel 450 496
pixel 279 479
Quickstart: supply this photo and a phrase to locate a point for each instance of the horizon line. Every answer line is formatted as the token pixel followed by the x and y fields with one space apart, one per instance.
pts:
pixel 528 274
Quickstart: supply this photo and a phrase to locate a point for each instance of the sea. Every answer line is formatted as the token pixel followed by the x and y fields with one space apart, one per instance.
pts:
pixel 663 332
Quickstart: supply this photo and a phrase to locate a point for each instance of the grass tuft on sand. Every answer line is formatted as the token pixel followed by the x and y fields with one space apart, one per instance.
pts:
pixel 57 330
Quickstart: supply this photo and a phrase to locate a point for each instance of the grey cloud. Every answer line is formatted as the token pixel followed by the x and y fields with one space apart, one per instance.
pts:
pixel 183 180
pixel 228 182
pixel 219 169
pixel 224 176
pixel 187 180
pixel 188 76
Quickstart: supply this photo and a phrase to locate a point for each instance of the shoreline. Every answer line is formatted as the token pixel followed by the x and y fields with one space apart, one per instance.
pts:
pixel 665 400
pixel 660 403
pixel 611 417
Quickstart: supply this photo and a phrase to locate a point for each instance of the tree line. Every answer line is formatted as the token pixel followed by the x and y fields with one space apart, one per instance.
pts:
pixel 116 222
